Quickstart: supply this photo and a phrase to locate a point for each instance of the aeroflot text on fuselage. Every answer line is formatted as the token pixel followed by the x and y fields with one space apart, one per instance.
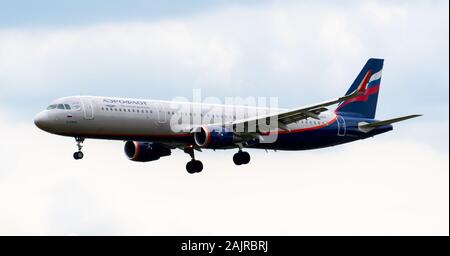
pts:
pixel 153 129
pixel 131 102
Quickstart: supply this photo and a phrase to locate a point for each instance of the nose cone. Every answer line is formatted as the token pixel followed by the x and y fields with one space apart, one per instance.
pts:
pixel 42 121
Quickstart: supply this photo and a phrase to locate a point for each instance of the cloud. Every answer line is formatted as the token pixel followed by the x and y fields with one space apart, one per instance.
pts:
pixel 55 56
pixel 272 49
pixel 380 186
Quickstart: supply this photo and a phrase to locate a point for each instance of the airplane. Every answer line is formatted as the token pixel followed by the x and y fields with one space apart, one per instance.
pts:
pixel 147 129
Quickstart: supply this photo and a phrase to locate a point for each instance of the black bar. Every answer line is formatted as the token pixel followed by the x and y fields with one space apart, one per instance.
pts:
pixel 218 245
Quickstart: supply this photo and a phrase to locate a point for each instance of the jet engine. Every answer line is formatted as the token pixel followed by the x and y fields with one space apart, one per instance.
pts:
pixel 215 137
pixel 145 151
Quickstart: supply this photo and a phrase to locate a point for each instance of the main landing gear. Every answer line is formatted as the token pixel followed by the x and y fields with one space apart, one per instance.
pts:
pixel 193 166
pixel 241 157
pixel 79 155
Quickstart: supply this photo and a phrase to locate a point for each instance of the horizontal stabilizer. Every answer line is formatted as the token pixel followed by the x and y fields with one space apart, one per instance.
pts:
pixel 386 122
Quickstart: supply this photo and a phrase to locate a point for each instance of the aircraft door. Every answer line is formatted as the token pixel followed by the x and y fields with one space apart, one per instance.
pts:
pixel 88 109
pixel 161 113
pixel 342 129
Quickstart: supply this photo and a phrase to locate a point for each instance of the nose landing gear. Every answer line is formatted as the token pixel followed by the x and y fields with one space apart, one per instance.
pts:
pixel 79 155
pixel 241 157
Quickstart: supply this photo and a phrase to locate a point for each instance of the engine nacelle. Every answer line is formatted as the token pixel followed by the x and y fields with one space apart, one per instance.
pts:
pixel 145 151
pixel 214 137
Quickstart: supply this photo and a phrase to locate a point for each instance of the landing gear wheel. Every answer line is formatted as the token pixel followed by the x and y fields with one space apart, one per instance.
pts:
pixel 78 155
pixel 198 166
pixel 194 166
pixel 190 167
pixel 241 158
pixel 245 158
pixel 237 159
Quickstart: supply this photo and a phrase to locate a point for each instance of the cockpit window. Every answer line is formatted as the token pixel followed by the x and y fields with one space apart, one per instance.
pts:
pixel 76 106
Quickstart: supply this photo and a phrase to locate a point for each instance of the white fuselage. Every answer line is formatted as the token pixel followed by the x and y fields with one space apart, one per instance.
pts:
pixel 152 120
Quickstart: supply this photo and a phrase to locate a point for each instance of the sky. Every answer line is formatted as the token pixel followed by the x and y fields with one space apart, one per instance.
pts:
pixel 299 51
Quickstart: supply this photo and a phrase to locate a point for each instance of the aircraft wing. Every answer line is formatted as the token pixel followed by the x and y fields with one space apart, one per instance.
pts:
pixel 292 116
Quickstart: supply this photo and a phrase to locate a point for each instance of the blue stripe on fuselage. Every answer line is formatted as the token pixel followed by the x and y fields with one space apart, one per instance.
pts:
pixel 323 137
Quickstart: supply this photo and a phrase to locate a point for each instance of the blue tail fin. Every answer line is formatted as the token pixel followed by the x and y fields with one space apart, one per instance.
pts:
pixel 366 104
